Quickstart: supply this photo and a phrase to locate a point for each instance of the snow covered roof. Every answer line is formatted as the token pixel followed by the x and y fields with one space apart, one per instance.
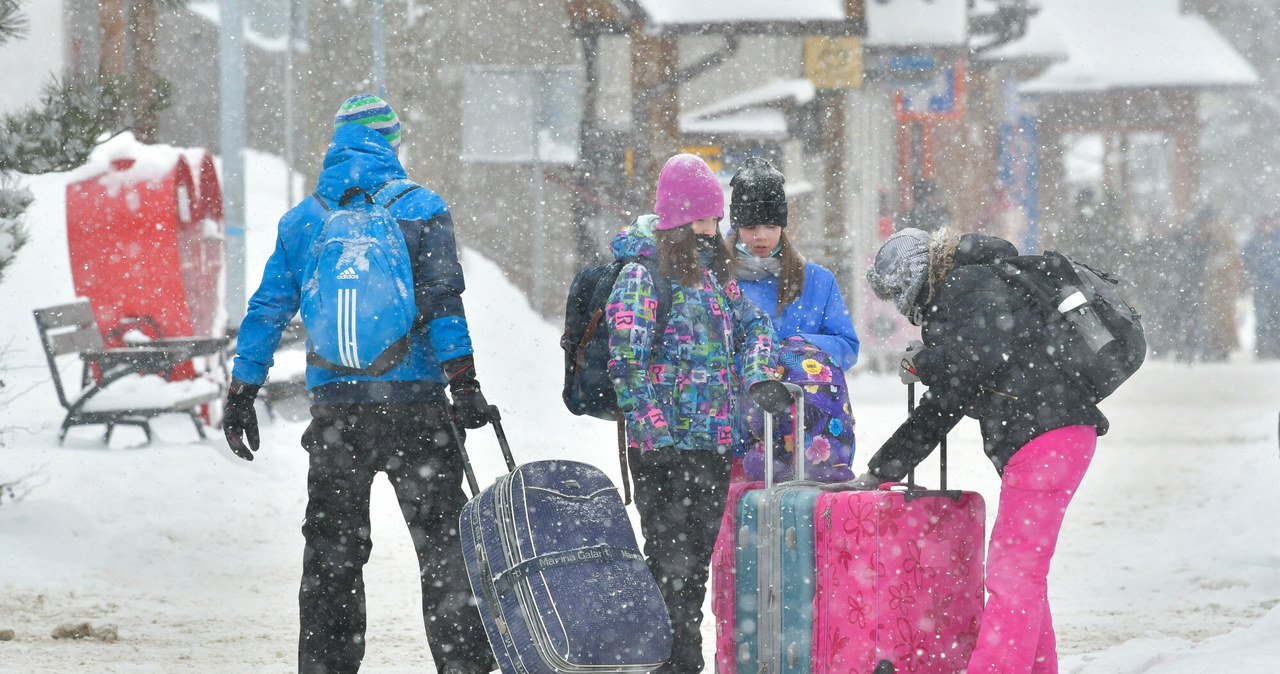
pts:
pixel 663 15
pixel 912 23
pixel 762 123
pixel 724 11
pixel 792 91
pixel 759 112
pixel 1101 45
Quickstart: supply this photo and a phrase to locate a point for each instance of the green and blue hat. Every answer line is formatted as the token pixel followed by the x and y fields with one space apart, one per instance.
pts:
pixel 372 112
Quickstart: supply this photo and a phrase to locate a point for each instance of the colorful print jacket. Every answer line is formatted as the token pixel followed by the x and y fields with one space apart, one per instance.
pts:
pixel 682 393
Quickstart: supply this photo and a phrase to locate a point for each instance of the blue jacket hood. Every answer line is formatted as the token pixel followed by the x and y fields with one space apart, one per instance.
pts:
pixel 357 157
pixel 637 239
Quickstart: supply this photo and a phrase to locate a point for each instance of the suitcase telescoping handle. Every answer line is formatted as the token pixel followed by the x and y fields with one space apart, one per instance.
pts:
pixel 912 492
pixel 797 416
pixel 495 418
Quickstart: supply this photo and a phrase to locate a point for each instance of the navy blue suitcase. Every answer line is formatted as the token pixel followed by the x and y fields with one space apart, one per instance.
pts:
pixel 561 584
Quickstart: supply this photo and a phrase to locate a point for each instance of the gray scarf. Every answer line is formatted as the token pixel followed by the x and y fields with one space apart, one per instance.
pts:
pixel 752 268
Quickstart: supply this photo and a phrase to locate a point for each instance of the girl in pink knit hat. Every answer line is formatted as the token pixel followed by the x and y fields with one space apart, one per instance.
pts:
pixel 676 382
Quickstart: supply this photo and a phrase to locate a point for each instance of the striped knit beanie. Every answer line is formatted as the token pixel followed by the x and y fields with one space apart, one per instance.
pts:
pixel 372 112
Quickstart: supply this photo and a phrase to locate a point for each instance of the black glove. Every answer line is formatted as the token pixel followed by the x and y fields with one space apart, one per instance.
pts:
pixel 866 482
pixel 907 366
pixel 771 395
pixel 470 409
pixel 240 420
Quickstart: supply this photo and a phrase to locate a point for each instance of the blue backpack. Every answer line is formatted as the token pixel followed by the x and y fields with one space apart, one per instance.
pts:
pixel 358 301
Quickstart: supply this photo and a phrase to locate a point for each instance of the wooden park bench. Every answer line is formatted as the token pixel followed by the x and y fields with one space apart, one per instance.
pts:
pixel 126 385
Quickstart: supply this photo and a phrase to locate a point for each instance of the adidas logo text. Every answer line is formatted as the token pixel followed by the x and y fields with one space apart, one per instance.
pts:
pixel 348 273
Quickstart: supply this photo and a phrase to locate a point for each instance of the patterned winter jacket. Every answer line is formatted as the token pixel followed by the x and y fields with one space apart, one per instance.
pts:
pixel 682 393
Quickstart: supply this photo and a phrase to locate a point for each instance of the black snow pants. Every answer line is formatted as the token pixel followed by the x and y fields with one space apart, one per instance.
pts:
pixel 680 496
pixel 348 446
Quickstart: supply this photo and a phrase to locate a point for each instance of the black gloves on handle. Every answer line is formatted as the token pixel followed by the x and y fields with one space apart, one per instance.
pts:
pixel 907 366
pixel 771 395
pixel 240 420
pixel 470 409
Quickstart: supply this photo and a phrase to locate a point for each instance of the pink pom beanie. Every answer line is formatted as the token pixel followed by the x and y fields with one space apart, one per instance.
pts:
pixel 687 190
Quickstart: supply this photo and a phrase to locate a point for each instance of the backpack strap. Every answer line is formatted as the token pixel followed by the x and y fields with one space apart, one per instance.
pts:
pixel 622 458
pixel 352 193
pixel 380 365
pixel 373 196
pixel 408 186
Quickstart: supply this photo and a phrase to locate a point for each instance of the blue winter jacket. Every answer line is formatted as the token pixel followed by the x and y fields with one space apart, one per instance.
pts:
pixel 819 315
pixel 360 157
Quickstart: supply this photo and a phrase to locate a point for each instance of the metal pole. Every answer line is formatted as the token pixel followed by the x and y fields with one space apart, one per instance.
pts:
pixel 231 139
pixel 539 232
pixel 379 49
pixel 288 102
pixel 539 226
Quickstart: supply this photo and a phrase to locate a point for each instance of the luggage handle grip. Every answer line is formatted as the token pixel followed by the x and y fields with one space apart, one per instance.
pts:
pixel 910 492
pixel 942 448
pixel 798 431
pixel 495 418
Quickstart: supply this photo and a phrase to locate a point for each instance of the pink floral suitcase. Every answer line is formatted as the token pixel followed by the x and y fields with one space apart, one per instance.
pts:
pixel 724 604
pixel 899 579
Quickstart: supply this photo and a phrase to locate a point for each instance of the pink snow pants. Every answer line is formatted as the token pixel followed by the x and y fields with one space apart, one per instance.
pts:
pixel 1017 631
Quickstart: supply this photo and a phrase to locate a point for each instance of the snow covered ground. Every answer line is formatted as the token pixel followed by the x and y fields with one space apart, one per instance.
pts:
pixel 1169 562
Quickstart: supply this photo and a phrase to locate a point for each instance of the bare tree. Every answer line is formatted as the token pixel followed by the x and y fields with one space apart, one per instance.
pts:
pixel 128 54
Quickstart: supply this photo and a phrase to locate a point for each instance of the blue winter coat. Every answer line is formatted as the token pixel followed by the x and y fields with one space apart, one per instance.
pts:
pixel 679 389
pixel 819 315
pixel 360 157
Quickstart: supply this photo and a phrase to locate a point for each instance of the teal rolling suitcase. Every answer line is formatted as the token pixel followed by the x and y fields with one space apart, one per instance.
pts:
pixel 776 571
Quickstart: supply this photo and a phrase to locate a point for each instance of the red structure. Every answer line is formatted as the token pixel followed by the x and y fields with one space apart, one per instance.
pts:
pixel 146 243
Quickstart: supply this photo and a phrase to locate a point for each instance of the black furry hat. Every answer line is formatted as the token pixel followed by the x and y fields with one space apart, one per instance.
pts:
pixel 758 195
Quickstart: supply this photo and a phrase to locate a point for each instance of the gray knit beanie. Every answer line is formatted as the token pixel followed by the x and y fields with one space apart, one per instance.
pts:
pixel 901 269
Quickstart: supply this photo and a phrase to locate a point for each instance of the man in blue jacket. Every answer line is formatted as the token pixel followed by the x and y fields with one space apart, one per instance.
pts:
pixel 361 425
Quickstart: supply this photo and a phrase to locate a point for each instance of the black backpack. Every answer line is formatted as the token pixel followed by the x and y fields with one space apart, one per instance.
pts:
pixel 1091 333
pixel 588 389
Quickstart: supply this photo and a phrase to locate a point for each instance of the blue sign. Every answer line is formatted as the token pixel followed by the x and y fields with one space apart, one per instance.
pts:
pixel 936 95
pixel 1020 174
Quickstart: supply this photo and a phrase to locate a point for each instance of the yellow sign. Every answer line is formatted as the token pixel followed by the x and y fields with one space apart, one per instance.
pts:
pixel 709 154
pixel 833 62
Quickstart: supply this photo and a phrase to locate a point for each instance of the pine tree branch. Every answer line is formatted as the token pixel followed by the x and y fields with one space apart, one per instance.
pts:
pixel 13 23
pixel 14 201
pixel 72 118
